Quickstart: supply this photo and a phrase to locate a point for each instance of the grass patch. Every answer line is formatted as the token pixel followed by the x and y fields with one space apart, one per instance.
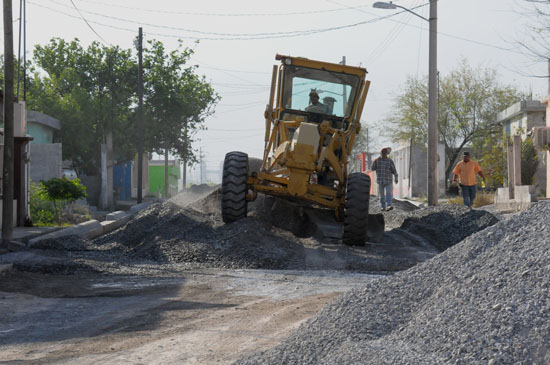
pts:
pixel 482 199
pixel 456 200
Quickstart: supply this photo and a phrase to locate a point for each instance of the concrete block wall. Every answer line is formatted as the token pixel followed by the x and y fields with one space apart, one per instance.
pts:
pixel 524 196
pixel 46 161
pixel 411 163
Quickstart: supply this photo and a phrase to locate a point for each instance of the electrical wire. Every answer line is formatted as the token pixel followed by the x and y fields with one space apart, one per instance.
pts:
pixel 296 34
pixel 261 34
pixel 392 36
pixel 224 14
pixel 239 71
pixel 242 36
pixel 88 24
pixel 441 33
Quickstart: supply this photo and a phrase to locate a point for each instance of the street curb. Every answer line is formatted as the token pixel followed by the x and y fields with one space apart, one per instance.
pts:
pixel 93 228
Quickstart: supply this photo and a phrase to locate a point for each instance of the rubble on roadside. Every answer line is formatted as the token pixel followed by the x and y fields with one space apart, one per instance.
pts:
pixel 485 300
pixel 187 230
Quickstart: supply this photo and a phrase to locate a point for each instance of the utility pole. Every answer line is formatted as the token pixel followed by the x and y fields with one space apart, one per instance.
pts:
pixel 7 171
pixel 200 164
pixel 166 185
pixel 140 117
pixel 184 178
pixel 19 46
pixel 24 50
pixel 548 125
pixel 433 130
pixel 433 175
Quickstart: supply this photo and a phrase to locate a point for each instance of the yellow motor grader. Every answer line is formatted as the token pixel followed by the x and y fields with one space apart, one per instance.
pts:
pixel 311 121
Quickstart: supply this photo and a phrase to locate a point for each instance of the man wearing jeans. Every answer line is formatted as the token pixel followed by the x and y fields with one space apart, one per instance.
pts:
pixel 385 168
pixel 466 170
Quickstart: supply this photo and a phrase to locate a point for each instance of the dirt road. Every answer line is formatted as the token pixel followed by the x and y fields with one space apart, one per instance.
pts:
pixel 199 317
pixel 177 285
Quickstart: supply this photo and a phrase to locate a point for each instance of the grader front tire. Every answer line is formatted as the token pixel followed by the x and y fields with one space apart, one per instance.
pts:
pixel 234 187
pixel 356 210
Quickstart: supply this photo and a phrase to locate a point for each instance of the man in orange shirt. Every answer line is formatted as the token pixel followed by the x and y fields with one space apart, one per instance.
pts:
pixel 466 170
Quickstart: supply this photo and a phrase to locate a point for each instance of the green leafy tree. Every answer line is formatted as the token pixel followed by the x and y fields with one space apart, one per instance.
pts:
pixel 469 100
pixel 494 163
pixel 92 92
pixel 529 162
pixel 62 192
pixel 177 101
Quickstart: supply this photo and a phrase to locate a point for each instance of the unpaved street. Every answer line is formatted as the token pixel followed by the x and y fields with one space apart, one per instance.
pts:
pixel 177 285
pixel 199 317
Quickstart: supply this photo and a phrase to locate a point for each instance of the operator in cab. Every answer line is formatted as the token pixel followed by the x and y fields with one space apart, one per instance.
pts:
pixel 315 106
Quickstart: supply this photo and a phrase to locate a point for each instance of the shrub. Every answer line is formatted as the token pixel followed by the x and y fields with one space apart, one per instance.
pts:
pixel 529 162
pixel 42 212
pixel 61 193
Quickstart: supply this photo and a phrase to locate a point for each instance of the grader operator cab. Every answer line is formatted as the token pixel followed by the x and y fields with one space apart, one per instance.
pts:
pixel 311 122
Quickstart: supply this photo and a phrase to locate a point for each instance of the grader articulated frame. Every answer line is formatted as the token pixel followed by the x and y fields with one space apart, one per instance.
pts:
pixel 307 144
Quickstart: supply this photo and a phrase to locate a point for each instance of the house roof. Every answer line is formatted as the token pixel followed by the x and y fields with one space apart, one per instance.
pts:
pixel 33 116
pixel 521 107
pixel 44 119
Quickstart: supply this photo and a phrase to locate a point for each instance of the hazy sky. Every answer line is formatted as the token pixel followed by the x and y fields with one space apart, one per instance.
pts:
pixel 240 38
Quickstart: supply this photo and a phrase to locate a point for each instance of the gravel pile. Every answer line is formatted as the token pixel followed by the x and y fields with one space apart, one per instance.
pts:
pixel 442 226
pixel 485 300
pixel 168 233
pixel 187 230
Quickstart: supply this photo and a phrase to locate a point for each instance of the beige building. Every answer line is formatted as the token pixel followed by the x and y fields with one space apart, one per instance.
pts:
pixel 519 119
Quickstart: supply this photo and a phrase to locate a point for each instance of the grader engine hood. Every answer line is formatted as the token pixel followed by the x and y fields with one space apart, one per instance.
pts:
pixel 301 156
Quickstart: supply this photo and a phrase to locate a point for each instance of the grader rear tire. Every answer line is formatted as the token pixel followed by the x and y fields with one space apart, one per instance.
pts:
pixel 234 187
pixel 356 210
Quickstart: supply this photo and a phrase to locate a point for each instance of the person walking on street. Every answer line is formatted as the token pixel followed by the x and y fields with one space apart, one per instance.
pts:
pixel 466 170
pixel 385 168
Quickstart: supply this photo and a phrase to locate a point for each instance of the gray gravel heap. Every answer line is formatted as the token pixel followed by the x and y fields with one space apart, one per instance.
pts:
pixel 485 300
pixel 188 231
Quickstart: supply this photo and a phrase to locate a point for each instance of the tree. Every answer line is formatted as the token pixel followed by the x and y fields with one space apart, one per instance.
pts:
pixel 529 162
pixel 469 100
pixel 176 100
pixel 91 91
pixel 61 192
pixel 537 41
pixel 494 162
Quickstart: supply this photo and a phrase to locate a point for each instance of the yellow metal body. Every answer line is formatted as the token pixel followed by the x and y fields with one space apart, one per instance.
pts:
pixel 306 154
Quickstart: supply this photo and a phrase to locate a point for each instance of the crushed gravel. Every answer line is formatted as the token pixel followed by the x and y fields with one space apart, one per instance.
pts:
pixel 485 300
pixel 187 231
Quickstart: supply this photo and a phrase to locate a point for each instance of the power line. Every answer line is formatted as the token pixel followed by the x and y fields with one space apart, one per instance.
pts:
pixel 239 71
pixel 237 36
pixel 287 35
pixel 225 14
pixel 88 24
pixel 261 34
pixel 441 33
pixel 392 36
